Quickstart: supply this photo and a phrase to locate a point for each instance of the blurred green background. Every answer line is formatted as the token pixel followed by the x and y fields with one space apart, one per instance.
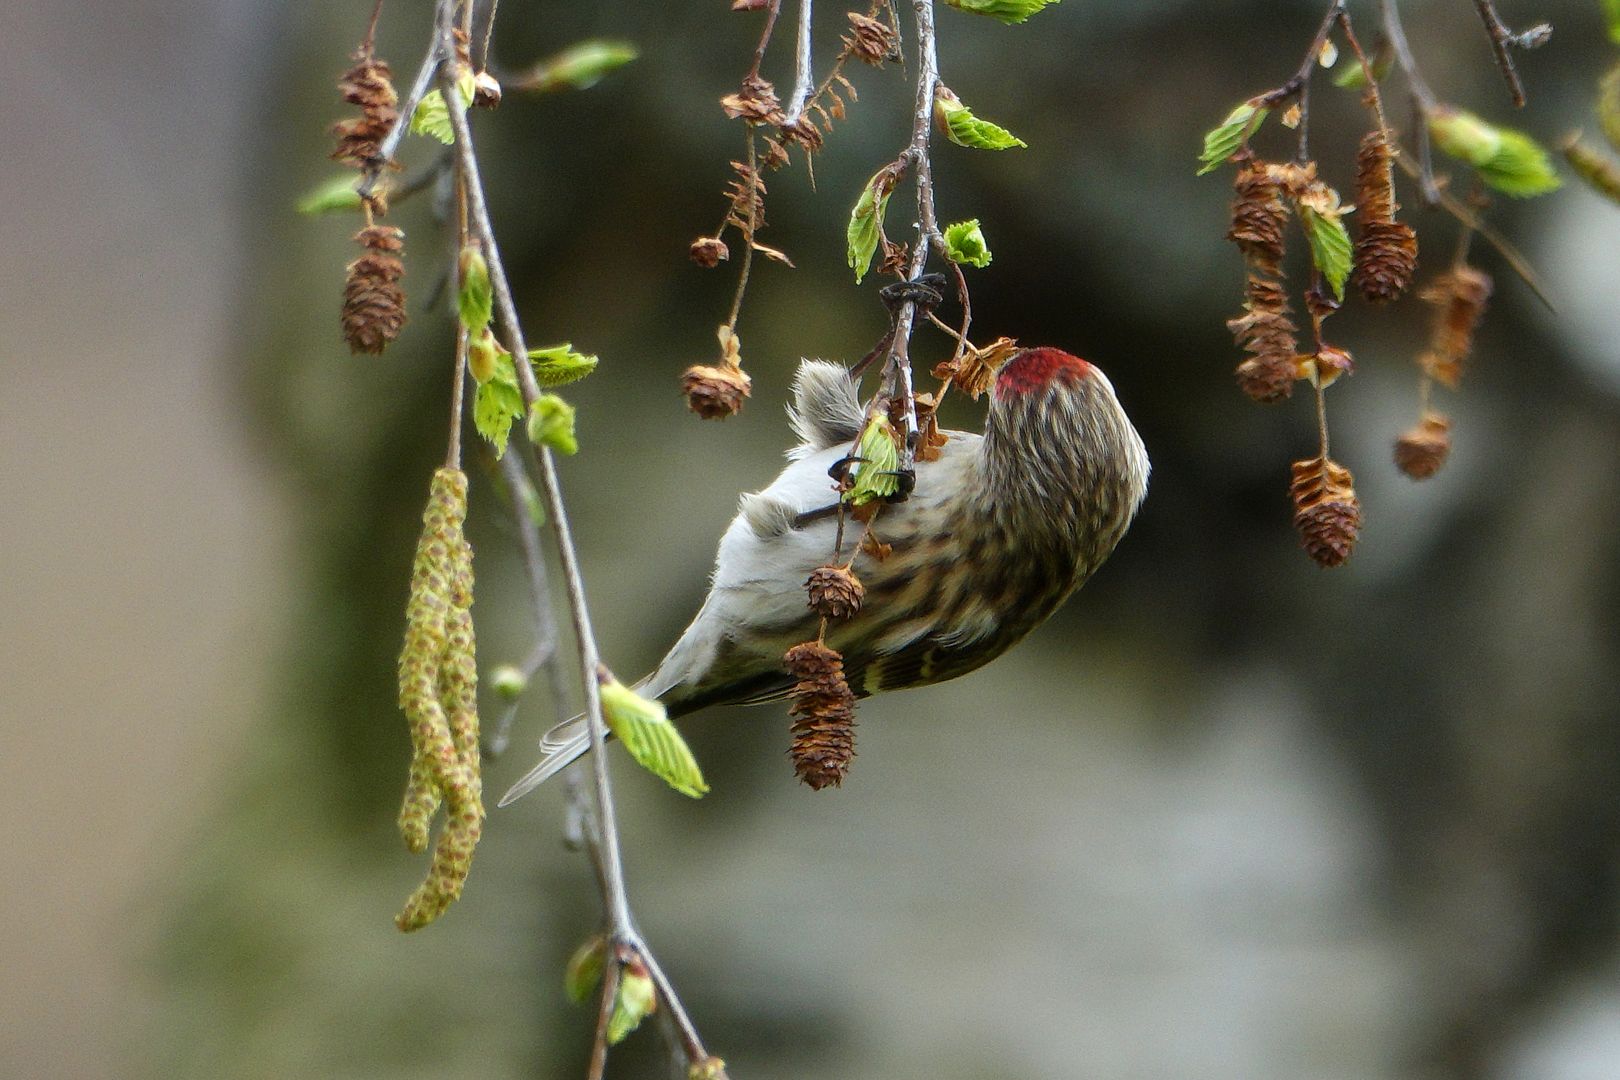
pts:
pixel 1227 816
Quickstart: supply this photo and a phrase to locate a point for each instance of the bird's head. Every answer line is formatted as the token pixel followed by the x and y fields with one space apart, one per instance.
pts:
pixel 1057 441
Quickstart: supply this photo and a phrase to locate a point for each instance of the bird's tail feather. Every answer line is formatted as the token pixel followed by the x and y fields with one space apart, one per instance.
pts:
pixel 559 748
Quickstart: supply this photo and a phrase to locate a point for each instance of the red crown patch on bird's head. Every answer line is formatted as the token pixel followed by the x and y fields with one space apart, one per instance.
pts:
pixel 1035 369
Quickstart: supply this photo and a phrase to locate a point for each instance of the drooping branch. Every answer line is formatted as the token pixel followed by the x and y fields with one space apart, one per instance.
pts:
pixel 601 828
pixel 897 376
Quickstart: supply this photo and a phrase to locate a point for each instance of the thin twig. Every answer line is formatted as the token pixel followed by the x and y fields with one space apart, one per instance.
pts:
pixel 897 369
pixel 606 846
pixel 801 73
pixel 1423 99
pixel 402 122
pixel 1501 38
pixel 748 233
pixel 765 37
pixel 1510 254
pixel 1297 82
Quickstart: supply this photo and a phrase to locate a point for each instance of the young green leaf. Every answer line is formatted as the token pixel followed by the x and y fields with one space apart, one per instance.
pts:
pixel 559 365
pixel 965 129
pixel 866 221
pixel 965 243
pixel 584 972
pixel 1611 13
pixel 879 457
pixel 497 403
pixel 432 119
pixel 644 728
pixel 475 301
pixel 577 67
pixel 1330 246
pixel 1223 141
pixel 1008 11
pixel 636 1000
pixel 1506 159
pixel 338 193
pixel 551 423
pixel 1353 76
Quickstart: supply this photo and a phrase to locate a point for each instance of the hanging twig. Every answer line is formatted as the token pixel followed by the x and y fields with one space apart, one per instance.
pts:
pixel 1503 40
pixel 622 933
pixel 897 368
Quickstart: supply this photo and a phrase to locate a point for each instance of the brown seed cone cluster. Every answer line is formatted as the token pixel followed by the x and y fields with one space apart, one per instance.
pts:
pixel 709 251
pixel 1265 331
pixel 755 102
pixel 870 40
pixel 1386 249
pixel 1421 451
pixel 1259 217
pixel 835 592
pixel 369 84
pixel 1459 297
pixel 824 715
pixel 715 392
pixel 1326 510
pixel 373 302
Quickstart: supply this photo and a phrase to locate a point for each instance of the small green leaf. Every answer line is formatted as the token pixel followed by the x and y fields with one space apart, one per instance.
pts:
pixel 1506 159
pixel 636 1000
pixel 644 728
pixel 1330 246
pixel 1353 76
pixel 965 243
pixel 965 129
pixel 338 193
pixel 1611 14
pixel 866 221
pixel 1008 11
pixel 1223 141
pixel 578 66
pixel 475 301
pixel 432 119
pixel 551 423
pixel 559 365
pixel 584 972
pixel 879 458
pixel 497 403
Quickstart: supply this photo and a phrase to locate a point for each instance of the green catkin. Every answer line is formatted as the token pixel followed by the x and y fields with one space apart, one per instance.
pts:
pixel 438 691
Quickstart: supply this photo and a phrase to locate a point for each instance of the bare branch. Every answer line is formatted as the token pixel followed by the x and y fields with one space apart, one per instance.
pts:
pixel 801 79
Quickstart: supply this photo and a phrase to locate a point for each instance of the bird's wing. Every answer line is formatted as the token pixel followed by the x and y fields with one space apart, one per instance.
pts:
pixel 756 608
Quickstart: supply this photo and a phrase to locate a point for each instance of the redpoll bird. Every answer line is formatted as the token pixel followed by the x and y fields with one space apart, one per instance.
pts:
pixel 996 533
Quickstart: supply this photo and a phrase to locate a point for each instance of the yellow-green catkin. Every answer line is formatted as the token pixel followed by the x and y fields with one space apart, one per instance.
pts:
pixel 438 691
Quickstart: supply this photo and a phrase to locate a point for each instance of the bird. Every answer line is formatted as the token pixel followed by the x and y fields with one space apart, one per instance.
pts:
pixel 995 533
